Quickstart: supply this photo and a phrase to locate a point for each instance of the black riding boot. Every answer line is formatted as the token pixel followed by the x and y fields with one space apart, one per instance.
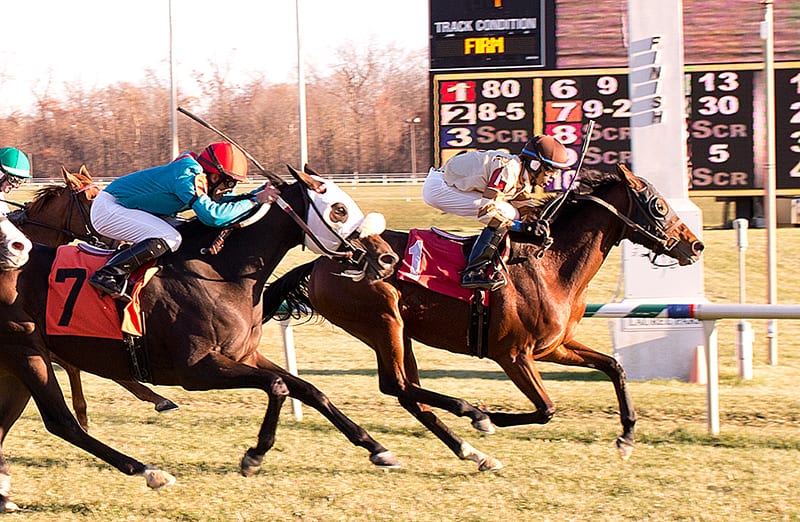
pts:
pixel 480 260
pixel 112 278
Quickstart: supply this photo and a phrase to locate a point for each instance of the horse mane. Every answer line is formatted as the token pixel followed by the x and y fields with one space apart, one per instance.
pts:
pixel 592 179
pixel 42 196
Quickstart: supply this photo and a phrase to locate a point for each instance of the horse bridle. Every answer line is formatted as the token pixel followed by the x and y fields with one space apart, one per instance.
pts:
pixel 347 253
pixel 90 236
pixel 661 219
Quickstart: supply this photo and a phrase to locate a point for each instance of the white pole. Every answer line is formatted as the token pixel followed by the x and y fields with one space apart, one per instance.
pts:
pixel 291 363
pixel 712 386
pixel 744 331
pixel 412 122
pixel 301 92
pixel 767 33
pixel 173 94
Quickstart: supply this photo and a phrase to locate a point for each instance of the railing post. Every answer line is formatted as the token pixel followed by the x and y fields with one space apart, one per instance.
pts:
pixel 291 363
pixel 712 385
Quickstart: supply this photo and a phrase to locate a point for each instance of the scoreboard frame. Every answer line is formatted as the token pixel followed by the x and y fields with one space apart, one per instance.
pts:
pixel 491 34
pixel 725 104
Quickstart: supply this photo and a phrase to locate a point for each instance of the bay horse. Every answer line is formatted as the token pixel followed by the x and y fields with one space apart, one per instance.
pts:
pixel 203 320
pixel 58 215
pixel 533 318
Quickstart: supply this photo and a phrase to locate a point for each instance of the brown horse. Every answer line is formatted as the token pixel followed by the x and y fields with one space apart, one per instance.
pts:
pixel 203 321
pixel 57 215
pixel 532 318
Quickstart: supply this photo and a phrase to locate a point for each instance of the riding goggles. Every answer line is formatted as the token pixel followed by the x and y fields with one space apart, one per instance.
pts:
pixel 14 181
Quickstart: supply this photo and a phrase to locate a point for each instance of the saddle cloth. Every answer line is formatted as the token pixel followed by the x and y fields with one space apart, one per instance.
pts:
pixel 434 259
pixel 75 308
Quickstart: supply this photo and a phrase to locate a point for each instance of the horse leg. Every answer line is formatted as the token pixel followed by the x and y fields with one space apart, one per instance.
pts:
pixel 310 395
pixel 145 394
pixel 79 405
pixel 34 369
pixel 526 378
pixel 401 379
pixel 218 372
pixel 254 456
pixel 573 353
pixel 13 399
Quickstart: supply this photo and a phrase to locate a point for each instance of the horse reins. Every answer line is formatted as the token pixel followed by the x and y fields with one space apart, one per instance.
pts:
pixel 661 236
pixel 90 235
pixel 350 252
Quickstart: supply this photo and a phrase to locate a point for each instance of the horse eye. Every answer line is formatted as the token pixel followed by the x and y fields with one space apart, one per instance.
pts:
pixel 338 213
pixel 658 207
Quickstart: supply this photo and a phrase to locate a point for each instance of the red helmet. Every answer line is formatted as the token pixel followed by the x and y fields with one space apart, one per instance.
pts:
pixel 224 158
pixel 548 150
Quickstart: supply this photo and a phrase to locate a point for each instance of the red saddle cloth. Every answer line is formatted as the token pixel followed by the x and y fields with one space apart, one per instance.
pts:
pixel 75 308
pixel 435 261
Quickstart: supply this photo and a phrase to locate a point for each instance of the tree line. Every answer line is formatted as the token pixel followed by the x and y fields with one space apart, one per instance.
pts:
pixel 356 114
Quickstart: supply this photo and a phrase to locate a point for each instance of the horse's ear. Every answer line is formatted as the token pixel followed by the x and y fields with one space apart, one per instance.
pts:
pixel 626 173
pixel 307 180
pixel 85 172
pixel 72 181
pixel 307 168
pixel 64 172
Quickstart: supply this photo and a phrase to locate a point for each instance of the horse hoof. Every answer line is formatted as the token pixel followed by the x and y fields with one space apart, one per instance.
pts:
pixel 249 466
pixel 8 507
pixel 166 405
pixel 385 459
pixel 624 448
pixel 484 426
pixel 490 464
pixel 157 479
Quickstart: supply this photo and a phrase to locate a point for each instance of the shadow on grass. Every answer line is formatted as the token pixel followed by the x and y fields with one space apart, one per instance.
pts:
pixel 576 375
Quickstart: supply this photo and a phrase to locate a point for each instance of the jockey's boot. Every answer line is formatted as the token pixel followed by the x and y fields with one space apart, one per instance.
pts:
pixel 475 275
pixel 112 278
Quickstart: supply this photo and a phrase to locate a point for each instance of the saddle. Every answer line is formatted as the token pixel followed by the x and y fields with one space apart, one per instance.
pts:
pixel 435 259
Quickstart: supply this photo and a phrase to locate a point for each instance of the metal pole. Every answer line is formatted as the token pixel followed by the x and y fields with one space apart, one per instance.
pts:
pixel 744 331
pixel 412 122
pixel 173 94
pixel 767 33
pixel 291 363
pixel 712 384
pixel 301 92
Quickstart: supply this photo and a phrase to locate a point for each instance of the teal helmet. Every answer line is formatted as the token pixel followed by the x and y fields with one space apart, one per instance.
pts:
pixel 14 162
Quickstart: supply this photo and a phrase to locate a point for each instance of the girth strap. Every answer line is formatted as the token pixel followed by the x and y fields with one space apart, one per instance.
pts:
pixel 478 335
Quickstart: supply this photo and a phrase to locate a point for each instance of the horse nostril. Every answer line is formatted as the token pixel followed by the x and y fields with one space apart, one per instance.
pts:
pixel 18 246
pixel 389 259
pixel 698 247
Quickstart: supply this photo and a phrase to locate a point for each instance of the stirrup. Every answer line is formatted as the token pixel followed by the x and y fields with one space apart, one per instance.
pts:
pixel 117 294
pixel 487 282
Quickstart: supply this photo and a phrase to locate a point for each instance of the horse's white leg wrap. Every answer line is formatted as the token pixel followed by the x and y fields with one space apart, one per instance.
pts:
pixel 485 462
pixel 158 479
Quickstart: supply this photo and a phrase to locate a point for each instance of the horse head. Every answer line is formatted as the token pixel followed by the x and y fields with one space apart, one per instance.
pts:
pixel 339 229
pixel 80 182
pixel 651 222
pixel 60 213
pixel 14 251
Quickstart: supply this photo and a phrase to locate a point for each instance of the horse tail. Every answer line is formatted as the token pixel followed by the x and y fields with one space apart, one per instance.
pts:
pixel 287 297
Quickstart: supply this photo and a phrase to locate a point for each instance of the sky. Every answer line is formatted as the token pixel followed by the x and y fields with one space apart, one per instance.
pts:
pixel 46 44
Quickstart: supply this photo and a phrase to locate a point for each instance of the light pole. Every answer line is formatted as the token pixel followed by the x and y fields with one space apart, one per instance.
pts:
pixel 412 122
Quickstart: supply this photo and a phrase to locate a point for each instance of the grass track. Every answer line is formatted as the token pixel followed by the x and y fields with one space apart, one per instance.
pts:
pixel 565 470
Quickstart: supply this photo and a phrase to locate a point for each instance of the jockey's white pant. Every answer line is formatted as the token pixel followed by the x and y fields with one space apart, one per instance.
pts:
pixel 440 195
pixel 116 221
